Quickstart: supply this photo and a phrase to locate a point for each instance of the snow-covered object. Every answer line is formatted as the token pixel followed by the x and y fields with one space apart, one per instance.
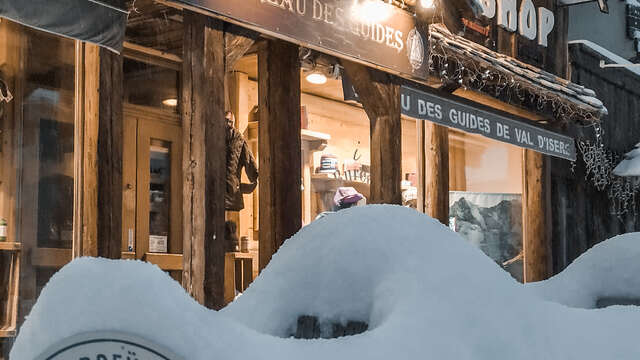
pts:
pixel 424 291
pixel 608 270
pixel 630 165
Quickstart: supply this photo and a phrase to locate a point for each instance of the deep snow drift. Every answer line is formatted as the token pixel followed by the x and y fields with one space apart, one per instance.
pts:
pixel 425 292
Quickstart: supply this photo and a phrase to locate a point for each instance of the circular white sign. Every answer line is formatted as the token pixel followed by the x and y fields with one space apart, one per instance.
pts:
pixel 107 346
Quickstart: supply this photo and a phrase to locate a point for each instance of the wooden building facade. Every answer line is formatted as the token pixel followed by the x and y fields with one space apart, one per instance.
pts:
pixel 124 156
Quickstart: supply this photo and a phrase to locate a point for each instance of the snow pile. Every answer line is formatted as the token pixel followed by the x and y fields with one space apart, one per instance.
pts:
pixel 424 291
pixel 630 165
pixel 609 270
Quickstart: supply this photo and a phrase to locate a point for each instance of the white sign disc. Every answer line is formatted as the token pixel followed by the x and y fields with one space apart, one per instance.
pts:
pixel 107 346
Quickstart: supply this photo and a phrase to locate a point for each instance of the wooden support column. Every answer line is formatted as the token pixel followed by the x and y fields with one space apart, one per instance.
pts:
pixel 279 144
pixel 204 158
pixel 536 222
pixel 110 147
pixel 87 99
pixel 380 97
pixel 435 171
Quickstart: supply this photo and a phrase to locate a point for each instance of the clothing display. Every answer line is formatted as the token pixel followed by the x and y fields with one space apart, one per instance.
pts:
pixel 239 156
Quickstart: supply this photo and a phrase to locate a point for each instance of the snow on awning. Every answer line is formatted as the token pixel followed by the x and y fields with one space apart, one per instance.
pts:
pixel 455 59
pixel 101 22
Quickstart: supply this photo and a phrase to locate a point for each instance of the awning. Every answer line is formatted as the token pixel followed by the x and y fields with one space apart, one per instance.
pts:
pixel 455 59
pixel 101 22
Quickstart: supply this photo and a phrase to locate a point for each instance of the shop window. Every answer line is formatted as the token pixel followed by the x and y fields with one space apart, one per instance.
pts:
pixel 485 179
pixel 37 161
pixel 151 85
pixel 409 162
pixel 336 164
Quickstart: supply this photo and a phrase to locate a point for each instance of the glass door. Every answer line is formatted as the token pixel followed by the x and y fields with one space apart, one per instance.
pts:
pixel 152 219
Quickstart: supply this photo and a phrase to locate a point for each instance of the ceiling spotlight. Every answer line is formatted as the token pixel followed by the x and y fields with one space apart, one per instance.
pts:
pixel 170 102
pixel 316 78
pixel 370 11
pixel 427 4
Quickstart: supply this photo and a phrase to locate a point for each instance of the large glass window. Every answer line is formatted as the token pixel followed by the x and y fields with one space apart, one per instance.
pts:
pixel 485 179
pixel 37 164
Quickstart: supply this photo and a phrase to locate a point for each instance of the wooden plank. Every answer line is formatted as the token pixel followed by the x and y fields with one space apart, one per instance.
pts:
pixel 90 150
pixel 167 262
pixel 380 96
pixel 10 246
pixel 50 258
pixel 110 155
pixel 280 146
pixel 436 173
pixel 229 277
pixel 204 158
pixel 536 240
pixel 237 41
pixel 151 56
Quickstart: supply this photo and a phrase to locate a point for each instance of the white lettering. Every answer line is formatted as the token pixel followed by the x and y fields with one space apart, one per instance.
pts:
pixel 527 23
pixel 507 15
pixel 488 8
pixel 328 13
pixel 545 25
pixel 288 3
pixel 317 10
pixel 406 102
pixel 422 107
pixel 301 10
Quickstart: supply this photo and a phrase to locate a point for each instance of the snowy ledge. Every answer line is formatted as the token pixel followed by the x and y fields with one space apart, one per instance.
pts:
pixel 422 289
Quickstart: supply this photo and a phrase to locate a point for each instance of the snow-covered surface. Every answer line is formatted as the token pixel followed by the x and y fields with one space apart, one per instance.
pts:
pixel 630 165
pixel 424 291
pixel 608 55
pixel 608 270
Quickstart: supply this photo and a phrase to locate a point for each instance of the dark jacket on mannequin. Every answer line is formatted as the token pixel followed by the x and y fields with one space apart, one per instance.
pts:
pixel 238 157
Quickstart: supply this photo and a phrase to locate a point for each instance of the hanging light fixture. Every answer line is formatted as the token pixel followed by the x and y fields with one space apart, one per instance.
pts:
pixel 173 102
pixel 370 10
pixel 317 78
pixel 427 4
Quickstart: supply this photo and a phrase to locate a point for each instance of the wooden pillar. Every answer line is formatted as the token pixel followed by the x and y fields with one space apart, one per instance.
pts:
pixel 87 101
pixel 536 222
pixel 436 171
pixel 204 158
pixel 379 94
pixel 279 145
pixel 110 147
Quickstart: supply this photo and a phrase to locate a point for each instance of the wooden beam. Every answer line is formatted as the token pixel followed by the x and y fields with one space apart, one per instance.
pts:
pixel 204 158
pixel 237 41
pixel 436 173
pixel 380 97
pixel 279 146
pixel 110 148
pixel 50 257
pixel 87 82
pixel 535 209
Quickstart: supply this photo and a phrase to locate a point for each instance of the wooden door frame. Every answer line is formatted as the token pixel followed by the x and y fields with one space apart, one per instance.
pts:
pixel 133 116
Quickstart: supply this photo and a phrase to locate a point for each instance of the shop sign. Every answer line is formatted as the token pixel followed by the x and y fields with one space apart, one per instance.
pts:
pixel 374 32
pixel 106 346
pixel 456 114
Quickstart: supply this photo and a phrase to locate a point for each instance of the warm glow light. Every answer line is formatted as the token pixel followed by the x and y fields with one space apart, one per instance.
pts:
pixel 170 102
pixel 427 4
pixel 374 11
pixel 317 78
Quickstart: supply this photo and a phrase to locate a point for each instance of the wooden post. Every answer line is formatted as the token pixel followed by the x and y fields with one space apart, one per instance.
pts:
pixel 280 145
pixel 85 218
pixel 536 225
pixel 380 96
pixel 436 171
pixel 110 148
pixel 204 158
